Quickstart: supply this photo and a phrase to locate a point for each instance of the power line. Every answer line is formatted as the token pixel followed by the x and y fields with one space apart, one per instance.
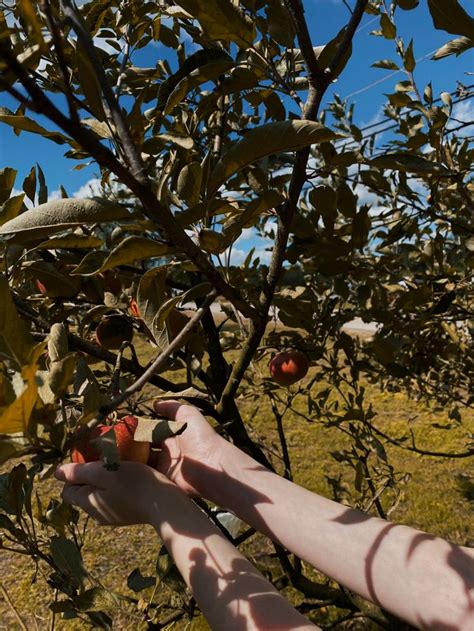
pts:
pixel 394 125
pixel 386 77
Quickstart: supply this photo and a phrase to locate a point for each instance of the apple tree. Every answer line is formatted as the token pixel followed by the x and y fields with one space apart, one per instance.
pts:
pixel 227 129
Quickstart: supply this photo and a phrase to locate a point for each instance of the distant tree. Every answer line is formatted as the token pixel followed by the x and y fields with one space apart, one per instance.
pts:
pixel 192 150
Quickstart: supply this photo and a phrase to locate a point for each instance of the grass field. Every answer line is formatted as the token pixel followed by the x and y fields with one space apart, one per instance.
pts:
pixel 438 498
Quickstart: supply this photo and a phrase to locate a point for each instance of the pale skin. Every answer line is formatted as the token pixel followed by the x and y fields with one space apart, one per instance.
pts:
pixel 420 578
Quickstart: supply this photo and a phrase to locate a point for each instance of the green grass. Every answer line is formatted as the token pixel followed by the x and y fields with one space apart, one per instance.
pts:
pixel 437 498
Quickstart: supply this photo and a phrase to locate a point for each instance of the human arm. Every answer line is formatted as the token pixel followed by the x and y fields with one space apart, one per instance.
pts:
pixel 230 591
pixel 416 576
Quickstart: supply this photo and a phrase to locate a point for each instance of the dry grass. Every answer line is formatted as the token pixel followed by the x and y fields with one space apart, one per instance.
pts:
pixel 438 498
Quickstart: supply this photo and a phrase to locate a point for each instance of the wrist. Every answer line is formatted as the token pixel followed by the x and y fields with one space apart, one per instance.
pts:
pixel 230 482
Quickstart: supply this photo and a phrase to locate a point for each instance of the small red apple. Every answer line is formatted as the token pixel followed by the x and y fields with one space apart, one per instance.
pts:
pixel 128 448
pixel 288 367
pixel 134 310
pixel 113 330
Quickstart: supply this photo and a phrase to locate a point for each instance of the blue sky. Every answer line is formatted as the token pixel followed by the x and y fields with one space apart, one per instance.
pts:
pixel 358 82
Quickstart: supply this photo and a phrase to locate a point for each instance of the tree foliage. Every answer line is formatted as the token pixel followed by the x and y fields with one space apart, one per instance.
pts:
pixel 228 130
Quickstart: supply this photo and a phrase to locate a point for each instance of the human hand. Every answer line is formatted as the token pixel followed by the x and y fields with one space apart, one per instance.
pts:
pixel 184 459
pixel 127 496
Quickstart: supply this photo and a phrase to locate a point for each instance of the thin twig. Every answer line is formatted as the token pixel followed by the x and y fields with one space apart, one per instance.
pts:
pixel 160 360
pixel 349 33
pixel 13 608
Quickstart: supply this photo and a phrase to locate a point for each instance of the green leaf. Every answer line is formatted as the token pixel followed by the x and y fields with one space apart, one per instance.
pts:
pixel 29 184
pixel 71 241
pixel 212 241
pixel 449 15
pixel 43 189
pixel 59 214
pixel 325 54
pixel 386 64
pixel 280 25
pixel 189 183
pixel 151 294
pixel 95 599
pixel 7 450
pixel 267 140
pixel 67 558
pixel 409 163
pixel 205 57
pixel 60 374
pixel 454 47
pixel 208 72
pixel 129 250
pixel 407 5
pixel 409 58
pixel 360 228
pixel 155 145
pixel 222 20
pixel 89 82
pixel 91 263
pixel 15 417
pixel 106 445
pixel 33 25
pixel 101 128
pixel 389 30
pixel 23 123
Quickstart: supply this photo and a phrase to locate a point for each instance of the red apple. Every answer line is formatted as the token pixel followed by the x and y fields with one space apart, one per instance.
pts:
pixel 113 330
pixel 128 448
pixel 288 367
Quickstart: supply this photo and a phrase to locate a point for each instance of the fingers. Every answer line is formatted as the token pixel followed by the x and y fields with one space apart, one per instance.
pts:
pixel 174 410
pixel 77 495
pixel 92 473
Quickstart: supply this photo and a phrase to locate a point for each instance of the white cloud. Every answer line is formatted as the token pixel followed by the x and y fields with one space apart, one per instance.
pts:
pixel 463 112
pixel 241 248
pixel 239 255
pixel 92 188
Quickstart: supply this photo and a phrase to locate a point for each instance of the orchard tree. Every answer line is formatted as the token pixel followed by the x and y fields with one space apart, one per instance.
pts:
pixel 193 149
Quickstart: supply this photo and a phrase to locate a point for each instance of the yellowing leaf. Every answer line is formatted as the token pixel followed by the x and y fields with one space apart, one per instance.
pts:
pixel 15 417
pixel 13 330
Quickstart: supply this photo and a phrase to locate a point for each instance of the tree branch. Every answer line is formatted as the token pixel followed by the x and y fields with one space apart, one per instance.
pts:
pixel 288 209
pixel 56 35
pixel 154 210
pixel 79 344
pixel 159 361
pixel 349 33
pixel 315 74
pixel 130 151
